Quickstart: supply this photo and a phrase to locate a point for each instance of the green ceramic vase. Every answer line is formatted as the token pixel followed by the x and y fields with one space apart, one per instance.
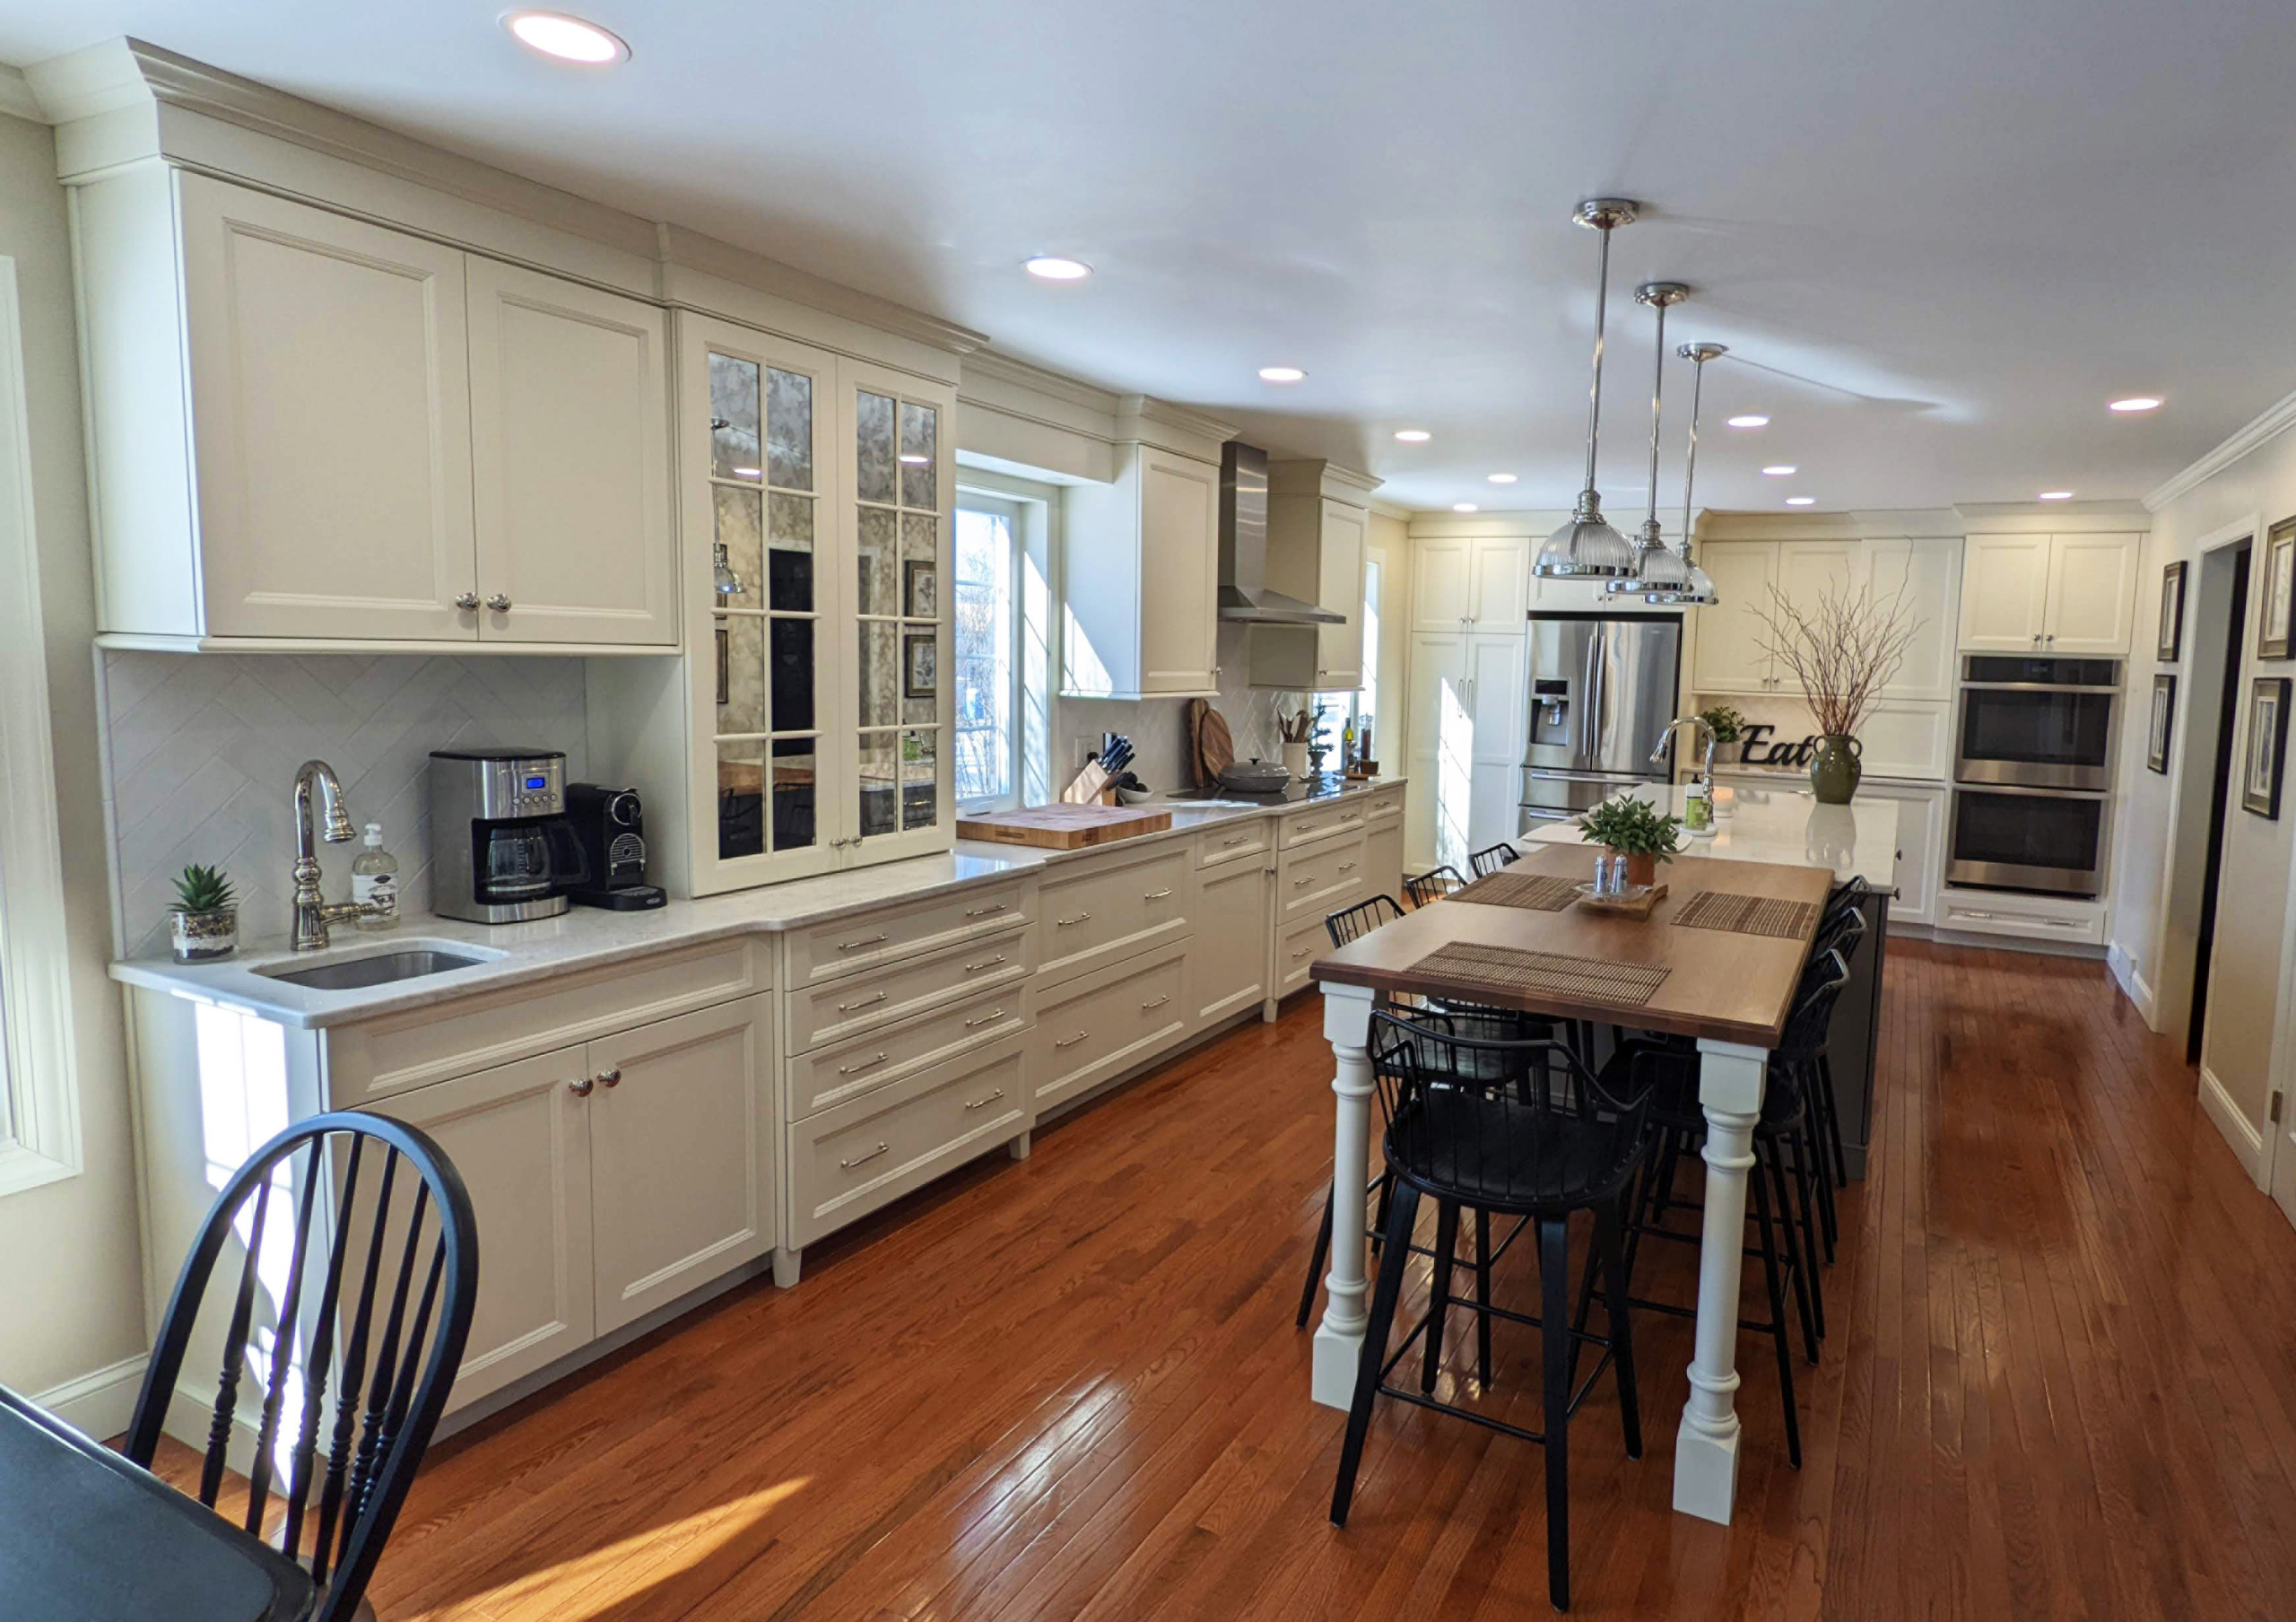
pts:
pixel 1834 769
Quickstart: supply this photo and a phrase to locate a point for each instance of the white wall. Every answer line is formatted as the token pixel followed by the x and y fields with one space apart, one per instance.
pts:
pixel 71 1289
pixel 2250 949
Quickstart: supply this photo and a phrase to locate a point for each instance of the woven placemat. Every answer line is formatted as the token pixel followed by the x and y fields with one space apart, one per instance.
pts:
pixel 1554 974
pixel 1538 891
pixel 1747 914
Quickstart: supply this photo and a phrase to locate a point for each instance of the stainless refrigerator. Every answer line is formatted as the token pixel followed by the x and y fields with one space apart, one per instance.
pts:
pixel 1602 690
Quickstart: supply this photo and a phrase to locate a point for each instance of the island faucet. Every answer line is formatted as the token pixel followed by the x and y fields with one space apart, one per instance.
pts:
pixel 313 915
pixel 1706 761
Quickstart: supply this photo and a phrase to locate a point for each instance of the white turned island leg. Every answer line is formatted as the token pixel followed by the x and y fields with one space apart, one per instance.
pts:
pixel 1339 1337
pixel 1706 1448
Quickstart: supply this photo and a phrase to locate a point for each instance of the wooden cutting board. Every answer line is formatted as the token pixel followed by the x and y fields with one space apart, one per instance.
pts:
pixel 1217 747
pixel 1196 708
pixel 1065 827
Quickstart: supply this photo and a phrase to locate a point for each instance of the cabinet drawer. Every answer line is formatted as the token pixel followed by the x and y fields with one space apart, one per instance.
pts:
pixel 824 951
pixel 1306 827
pixel 2031 917
pixel 1385 804
pixel 847 1161
pixel 1112 911
pixel 862 1064
pixel 845 1008
pixel 1232 841
pixel 1320 880
pixel 1296 947
pixel 1102 1023
pixel 424 1045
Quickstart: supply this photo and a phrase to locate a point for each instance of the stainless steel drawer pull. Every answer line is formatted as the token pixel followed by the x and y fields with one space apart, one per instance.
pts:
pixel 1298 883
pixel 1081 918
pixel 1240 839
pixel 985 963
pixel 985 911
pixel 1155 895
pixel 873 998
pixel 855 945
pixel 1302 952
pixel 1156 1003
pixel 1347 867
pixel 989 1018
pixel 870 1063
pixel 1070 1041
pixel 982 1103
pixel 863 1159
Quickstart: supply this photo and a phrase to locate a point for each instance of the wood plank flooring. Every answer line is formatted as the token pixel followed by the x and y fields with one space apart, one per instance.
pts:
pixel 2060 1381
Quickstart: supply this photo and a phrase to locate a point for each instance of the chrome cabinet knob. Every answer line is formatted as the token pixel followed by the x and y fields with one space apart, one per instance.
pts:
pixel 610 1078
pixel 580 1086
pixel 499 603
pixel 468 601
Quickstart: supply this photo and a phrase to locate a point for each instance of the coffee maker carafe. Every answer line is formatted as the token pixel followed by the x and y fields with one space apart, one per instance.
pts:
pixel 503 849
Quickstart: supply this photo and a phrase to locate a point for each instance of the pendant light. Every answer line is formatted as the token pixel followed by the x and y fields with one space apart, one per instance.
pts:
pixel 1586 547
pixel 721 575
pixel 1656 566
pixel 1697 589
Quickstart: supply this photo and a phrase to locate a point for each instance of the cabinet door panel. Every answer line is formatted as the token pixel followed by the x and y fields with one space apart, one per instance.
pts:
pixel 1227 965
pixel 570 461
pixel 2092 593
pixel 1339 587
pixel 1496 598
pixel 1441 584
pixel 1730 634
pixel 331 420
pixel 1443 747
pixel 1920 825
pixel 1925 575
pixel 521 1139
pixel 2005 593
pixel 1179 573
pixel 681 1155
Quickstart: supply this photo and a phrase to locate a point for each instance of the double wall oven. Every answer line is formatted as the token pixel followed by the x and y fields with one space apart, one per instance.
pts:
pixel 2033 773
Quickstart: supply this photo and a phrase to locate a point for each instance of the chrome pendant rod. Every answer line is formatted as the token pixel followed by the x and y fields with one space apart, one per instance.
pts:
pixel 1698 355
pixel 1661 296
pixel 1603 215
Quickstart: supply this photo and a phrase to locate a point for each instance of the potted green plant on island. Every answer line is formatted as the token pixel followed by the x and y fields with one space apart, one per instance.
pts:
pixel 1843 648
pixel 204 916
pixel 1636 830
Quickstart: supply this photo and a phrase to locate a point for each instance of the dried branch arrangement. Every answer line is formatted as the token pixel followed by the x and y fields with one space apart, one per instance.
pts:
pixel 1845 649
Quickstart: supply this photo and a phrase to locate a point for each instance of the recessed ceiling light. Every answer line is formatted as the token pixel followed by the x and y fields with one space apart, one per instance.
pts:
pixel 1749 421
pixel 1409 436
pixel 1801 500
pixel 2136 402
pixel 1782 470
pixel 1502 478
pixel 1281 374
pixel 1465 507
pixel 566 39
pixel 2057 495
pixel 1052 267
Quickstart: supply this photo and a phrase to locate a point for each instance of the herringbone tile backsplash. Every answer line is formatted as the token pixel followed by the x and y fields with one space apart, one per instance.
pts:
pixel 201 754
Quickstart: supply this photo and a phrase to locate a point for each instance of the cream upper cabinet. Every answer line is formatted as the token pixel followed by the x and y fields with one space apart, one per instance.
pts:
pixel 330 424
pixel 1441 583
pixel 2092 593
pixel 1495 583
pixel 1339 587
pixel 1140 579
pixel 1317 524
pixel 1809 572
pixel 570 462
pixel 2005 593
pixel 1926 574
pixel 1730 657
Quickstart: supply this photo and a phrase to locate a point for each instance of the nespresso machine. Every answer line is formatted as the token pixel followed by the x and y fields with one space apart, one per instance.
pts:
pixel 610 825
pixel 503 849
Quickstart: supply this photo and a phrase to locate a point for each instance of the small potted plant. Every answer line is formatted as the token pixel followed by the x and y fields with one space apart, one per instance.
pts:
pixel 1636 830
pixel 204 915
pixel 1728 725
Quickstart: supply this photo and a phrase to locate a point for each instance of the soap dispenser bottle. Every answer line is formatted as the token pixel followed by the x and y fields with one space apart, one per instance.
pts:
pixel 374 883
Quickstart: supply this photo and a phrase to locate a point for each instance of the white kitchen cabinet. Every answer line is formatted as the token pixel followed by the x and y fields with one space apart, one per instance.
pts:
pixel 1461 582
pixel 1496 680
pixel 1732 655
pixel 1383 856
pixel 1318 525
pixel 570 462
pixel 1226 963
pixel 2060 594
pixel 1926 574
pixel 1731 658
pixel 1099 1025
pixel 1921 849
pixel 1141 580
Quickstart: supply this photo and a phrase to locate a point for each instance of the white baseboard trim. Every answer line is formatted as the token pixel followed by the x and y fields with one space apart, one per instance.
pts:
pixel 100 1403
pixel 2132 983
pixel 2247 1141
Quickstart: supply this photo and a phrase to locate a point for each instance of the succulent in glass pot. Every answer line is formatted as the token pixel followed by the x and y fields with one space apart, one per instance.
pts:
pixel 203 919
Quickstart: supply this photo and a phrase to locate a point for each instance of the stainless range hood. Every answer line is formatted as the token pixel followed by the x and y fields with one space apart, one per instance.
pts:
pixel 1244 593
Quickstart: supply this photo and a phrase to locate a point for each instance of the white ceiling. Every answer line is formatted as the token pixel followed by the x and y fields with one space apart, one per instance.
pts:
pixel 1937 236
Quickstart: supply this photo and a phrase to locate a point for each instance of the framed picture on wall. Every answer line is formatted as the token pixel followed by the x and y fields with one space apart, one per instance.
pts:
pixel 920 591
pixel 725 668
pixel 2268 755
pixel 920 666
pixel 2172 614
pixel 2164 718
pixel 2279 590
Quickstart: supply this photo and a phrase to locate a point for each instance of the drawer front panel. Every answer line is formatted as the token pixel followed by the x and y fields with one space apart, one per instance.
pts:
pixel 1107 912
pixel 862 1064
pixel 841 1009
pixel 826 951
pixel 1385 804
pixel 1321 880
pixel 1234 842
pixel 1298 946
pixel 1102 1023
pixel 2009 915
pixel 1307 827
pixel 846 1161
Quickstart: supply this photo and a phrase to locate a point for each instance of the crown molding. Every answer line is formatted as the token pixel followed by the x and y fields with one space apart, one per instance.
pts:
pixel 1392 509
pixel 2275 419
pixel 678 247
pixel 2053 518
pixel 1535 522
pixel 1142 408
pixel 997 367
pixel 17 97
pixel 1870 524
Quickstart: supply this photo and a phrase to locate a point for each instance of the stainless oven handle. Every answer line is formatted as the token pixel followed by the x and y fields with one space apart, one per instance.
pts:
pixel 2028 687
pixel 2097 794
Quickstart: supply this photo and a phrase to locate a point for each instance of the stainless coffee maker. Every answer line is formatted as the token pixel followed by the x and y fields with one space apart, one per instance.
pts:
pixel 503 849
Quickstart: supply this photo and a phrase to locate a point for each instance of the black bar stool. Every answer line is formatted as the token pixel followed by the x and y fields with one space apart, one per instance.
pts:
pixel 1433 885
pixel 1487 861
pixel 1549 1143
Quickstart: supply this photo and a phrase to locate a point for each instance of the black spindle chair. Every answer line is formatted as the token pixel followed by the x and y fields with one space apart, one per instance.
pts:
pixel 1492 857
pixel 1542 1145
pixel 379 1309
pixel 1433 885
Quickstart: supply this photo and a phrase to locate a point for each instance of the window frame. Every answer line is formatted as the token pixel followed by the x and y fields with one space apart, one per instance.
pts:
pixel 971 497
pixel 39 1104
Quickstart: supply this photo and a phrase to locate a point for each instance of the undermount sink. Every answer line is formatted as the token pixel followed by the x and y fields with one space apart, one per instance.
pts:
pixel 381 969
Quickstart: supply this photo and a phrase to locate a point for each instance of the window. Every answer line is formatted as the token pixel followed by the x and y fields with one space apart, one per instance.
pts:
pixel 988 619
pixel 1353 706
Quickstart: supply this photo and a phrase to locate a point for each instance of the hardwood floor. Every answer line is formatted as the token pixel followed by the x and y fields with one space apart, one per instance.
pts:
pixel 2061 1381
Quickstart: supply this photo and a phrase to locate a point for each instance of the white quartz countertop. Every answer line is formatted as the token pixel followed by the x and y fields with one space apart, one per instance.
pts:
pixel 1856 841
pixel 586 937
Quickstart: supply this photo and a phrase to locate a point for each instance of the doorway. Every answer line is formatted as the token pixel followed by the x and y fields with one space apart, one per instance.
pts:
pixel 2225 631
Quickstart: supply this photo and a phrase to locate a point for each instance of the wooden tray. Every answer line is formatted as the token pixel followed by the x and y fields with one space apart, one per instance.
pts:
pixel 1065 827
pixel 1636 907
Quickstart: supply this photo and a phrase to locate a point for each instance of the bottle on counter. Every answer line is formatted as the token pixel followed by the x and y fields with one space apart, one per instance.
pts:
pixel 374 883
pixel 1698 807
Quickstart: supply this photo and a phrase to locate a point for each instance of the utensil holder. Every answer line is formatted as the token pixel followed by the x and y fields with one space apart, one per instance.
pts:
pixel 1295 761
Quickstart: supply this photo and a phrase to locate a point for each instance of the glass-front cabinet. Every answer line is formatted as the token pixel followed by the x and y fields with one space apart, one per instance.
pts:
pixel 817 491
